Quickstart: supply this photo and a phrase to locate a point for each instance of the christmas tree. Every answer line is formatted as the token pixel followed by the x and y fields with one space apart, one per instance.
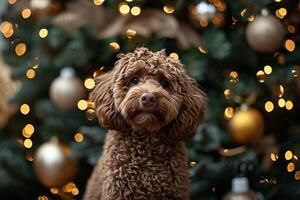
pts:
pixel 244 55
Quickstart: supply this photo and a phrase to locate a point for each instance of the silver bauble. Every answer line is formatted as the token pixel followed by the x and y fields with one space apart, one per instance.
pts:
pixel 66 90
pixel 52 164
pixel 265 34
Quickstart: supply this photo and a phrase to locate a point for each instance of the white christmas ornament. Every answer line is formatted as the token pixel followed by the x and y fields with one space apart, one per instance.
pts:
pixel 66 90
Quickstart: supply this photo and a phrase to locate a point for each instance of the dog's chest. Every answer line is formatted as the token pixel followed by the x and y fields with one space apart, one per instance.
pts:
pixel 142 166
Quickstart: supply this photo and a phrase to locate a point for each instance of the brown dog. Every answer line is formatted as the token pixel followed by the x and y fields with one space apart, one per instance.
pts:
pixel 150 107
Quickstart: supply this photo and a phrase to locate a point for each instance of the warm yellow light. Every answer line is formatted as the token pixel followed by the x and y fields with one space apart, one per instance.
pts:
pixel 6 29
pixel 29 157
pixel 289 105
pixel 89 83
pixel 282 11
pixel 91 104
pixel 26 13
pixel 234 75
pixel 115 46
pixel 174 56
pixel 290 45
pixel 28 129
pixel 54 190
pixel 281 102
pixel 277 0
pixel 281 91
pixel 273 157
pixel 290 167
pixel 228 113
pixel 131 33
pixel 30 74
pixel 82 104
pixel 135 11
pixel 268 69
pixel 42 198
pixel 27 143
pixel 75 191
pixel 12 1
pixel 192 163
pixel 90 114
pixel 269 106
pixel 43 33
pixel 261 76
pixel 24 109
pixel 297 175
pixel 288 155
pixel 78 137
pixel 251 18
pixel 169 9
pixel 98 2
pixel 291 28
pixel 203 22
pixel 202 50
pixel 68 187
pixel 20 49
pixel 243 12
pixel 124 8
pixel 227 93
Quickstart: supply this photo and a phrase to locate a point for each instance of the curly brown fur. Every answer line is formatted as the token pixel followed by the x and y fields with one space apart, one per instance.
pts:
pixel 144 155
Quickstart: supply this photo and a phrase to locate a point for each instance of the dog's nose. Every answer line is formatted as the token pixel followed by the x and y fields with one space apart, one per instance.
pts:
pixel 148 99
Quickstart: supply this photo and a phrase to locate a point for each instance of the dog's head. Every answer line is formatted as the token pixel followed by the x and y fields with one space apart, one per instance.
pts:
pixel 150 92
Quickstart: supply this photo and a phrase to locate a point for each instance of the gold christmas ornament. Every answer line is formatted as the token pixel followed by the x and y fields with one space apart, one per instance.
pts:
pixel 52 164
pixel 7 90
pixel 265 34
pixel 66 90
pixel 246 126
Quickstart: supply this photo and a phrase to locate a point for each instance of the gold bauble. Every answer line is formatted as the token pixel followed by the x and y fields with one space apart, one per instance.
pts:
pixel 246 126
pixel 52 164
pixel 265 34
pixel 66 90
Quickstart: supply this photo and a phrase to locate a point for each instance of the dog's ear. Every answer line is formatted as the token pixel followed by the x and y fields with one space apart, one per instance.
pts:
pixel 102 96
pixel 191 112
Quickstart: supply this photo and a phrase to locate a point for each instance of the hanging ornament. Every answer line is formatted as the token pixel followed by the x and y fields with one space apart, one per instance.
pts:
pixel 66 90
pixel 205 13
pixel 265 34
pixel 246 126
pixel 7 90
pixel 52 164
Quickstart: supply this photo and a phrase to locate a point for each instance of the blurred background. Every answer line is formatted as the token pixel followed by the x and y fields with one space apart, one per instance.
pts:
pixel 244 53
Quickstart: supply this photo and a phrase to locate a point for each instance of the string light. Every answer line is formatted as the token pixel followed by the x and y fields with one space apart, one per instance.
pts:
pixel 234 77
pixel 290 167
pixel 29 157
pixel 20 49
pixel 168 9
pixel 6 29
pixel 281 91
pixel 124 9
pixel 281 102
pixel 273 157
pixel 25 109
pixel 174 56
pixel 98 2
pixel 26 13
pixel 42 198
pixel 288 155
pixel 261 76
pixel 268 69
pixel 82 104
pixel 269 106
pixel 30 73
pixel 43 33
pixel 28 130
pixel 192 163
pixel 290 45
pixel 291 28
pixel 135 11
pixel 89 83
pixel 78 137
pixel 90 114
pixel 227 93
pixel 251 18
pixel 228 113
pixel 202 50
pixel 54 190
pixel 243 12
pixel 130 33
pixel 75 191
pixel 115 46
pixel 289 105
pixel 12 1
pixel 27 143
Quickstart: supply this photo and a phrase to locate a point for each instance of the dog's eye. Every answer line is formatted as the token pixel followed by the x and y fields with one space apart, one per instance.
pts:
pixel 164 83
pixel 135 80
